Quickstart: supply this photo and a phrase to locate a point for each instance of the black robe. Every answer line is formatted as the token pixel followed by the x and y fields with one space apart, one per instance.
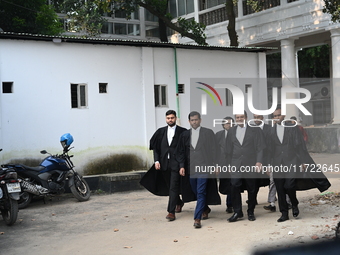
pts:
pixel 182 154
pixel 153 180
pixel 296 155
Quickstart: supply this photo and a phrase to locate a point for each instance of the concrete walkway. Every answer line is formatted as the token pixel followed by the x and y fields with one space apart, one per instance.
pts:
pixel 134 222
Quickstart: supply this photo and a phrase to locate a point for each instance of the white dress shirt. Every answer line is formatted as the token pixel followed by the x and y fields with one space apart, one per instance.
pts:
pixel 171 133
pixel 240 132
pixel 280 132
pixel 194 136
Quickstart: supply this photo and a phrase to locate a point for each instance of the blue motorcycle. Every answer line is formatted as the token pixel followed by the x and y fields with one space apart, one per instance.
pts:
pixel 49 178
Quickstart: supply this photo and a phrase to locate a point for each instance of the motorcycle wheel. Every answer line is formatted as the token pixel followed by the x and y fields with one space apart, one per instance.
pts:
pixel 80 189
pixel 25 199
pixel 10 214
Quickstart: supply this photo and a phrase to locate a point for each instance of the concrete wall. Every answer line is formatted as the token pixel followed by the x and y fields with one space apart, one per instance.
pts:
pixel 39 111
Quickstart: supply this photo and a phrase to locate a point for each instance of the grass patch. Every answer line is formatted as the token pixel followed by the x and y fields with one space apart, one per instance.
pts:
pixel 115 163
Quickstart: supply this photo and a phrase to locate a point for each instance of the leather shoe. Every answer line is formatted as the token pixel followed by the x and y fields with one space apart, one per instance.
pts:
pixel 235 217
pixel 283 218
pixel 205 214
pixel 271 208
pixel 251 216
pixel 229 209
pixel 171 217
pixel 295 210
pixel 179 208
pixel 197 223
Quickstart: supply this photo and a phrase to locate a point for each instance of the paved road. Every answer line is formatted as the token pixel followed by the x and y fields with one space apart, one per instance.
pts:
pixel 134 223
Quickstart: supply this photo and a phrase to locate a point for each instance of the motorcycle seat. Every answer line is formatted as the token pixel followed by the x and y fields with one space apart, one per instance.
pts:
pixel 33 168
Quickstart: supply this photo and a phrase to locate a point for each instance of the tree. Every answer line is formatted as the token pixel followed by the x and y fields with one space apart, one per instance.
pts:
pixel 29 16
pixel 159 8
pixel 232 22
pixel 332 7
pixel 84 16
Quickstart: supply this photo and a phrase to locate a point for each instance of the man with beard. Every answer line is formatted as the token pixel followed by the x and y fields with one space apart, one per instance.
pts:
pixel 288 151
pixel 245 146
pixel 163 178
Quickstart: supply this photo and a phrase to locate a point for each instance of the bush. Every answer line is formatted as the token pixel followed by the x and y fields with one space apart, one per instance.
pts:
pixel 114 164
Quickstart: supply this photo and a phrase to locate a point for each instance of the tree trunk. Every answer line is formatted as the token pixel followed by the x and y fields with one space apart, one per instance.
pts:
pixel 162 31
pixel 232 23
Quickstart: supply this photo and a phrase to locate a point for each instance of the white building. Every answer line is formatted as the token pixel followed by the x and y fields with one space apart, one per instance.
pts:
pixel 111 95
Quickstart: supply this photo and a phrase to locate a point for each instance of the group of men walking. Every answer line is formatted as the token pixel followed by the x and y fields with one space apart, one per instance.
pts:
pixel 179 153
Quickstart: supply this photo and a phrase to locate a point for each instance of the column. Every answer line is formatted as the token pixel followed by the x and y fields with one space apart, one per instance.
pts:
pixel 240 8
pixel 335 81
pixel 290 77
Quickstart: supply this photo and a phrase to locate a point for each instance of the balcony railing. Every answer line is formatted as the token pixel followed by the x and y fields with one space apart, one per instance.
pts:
pixel 252 6
pixel 215 16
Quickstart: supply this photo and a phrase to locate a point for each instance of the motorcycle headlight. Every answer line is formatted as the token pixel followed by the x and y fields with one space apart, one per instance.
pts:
pixel 11 175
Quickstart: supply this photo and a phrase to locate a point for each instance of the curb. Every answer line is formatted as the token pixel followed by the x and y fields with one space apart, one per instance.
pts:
pixel 116 182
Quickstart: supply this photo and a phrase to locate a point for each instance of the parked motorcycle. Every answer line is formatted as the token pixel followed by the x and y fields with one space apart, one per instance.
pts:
pixel 49 178
pixel 9 195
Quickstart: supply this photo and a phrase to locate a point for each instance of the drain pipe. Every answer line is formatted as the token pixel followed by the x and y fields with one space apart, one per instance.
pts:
pixel 177 96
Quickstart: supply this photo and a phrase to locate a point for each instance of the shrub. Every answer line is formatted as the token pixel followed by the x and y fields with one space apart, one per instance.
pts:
pixel 114 164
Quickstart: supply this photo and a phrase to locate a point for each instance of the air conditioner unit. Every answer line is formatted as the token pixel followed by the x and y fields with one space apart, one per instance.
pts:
pixel 321 93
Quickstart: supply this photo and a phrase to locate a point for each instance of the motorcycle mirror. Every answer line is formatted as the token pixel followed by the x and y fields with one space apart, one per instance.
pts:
pixel 0 149
pixel 43 152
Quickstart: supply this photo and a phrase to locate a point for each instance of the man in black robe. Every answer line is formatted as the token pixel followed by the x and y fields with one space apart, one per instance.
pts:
pixel 197 148
pixel 224 177
pixel 245 146
pixel 288 153
pixel 163 178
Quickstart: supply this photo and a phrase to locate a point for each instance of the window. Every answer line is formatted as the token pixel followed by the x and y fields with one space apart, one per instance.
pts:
pixel 160 95
pixel 180 88
pixel 78 96
pixel 102 87
pixel 181 7
pixel 228 98
pixel 7 87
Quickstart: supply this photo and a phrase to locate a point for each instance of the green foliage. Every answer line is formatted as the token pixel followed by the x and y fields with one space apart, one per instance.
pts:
pixel 332 7
pixel 85 17
pixel 314 62
pixel 29 16
pixel 197 29
pixel 114 164
pixel 256 6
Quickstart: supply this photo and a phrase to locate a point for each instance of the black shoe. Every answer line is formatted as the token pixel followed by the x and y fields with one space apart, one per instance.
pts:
pixel 283 218
pixel 295 210
pixel 229 210
pixel 251 216
pixel 235 217
pixel 271 208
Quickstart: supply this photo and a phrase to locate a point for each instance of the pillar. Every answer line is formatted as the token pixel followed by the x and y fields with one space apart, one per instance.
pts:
pixel 290 77
pixel 335 81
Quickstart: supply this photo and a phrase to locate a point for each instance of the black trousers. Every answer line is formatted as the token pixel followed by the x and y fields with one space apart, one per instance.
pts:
pixel 236 199
pixel 172 178
pixel 285 186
